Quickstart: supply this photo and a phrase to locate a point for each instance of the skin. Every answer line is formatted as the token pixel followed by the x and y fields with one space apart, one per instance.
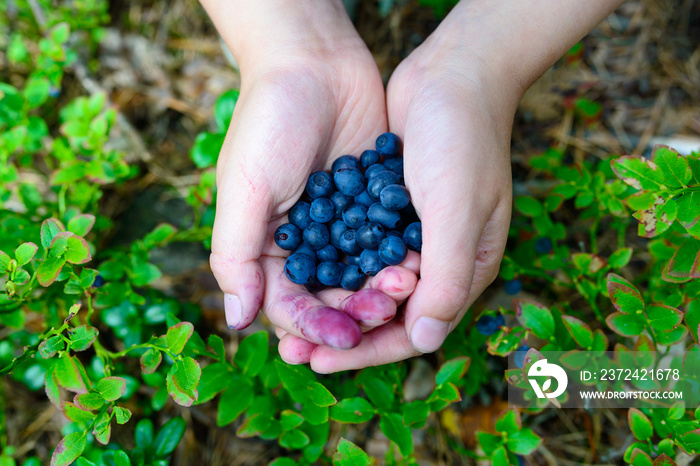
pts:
pixel 312 92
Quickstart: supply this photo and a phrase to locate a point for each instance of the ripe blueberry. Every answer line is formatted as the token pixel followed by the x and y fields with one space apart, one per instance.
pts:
pixel 348 243
pixel 370 263
pixel 372 170
pixel 364 198
pixel 322 210
pixel 346 161
pixel 349 181
pixel 99 281
pixel 299 215
pixel 300 268
pixel 486 325
pixel 392 250
pixel 369 157
pixel 387 218
pixel 340 201
pixel 389 145
pixel 513 287
pixel 327 253
pixel 369 235
pixel 354 215
pixel 337 229
pixel 413 236
pixel 316 235
pixel 353 260
pixel 305 249
pixel 352 278
pixel 543 245
pixel 380 181
pixel 329 273
pixel 394 197
pixel 519 356
pixel 394 165
pixel 288 236
pixel 320 184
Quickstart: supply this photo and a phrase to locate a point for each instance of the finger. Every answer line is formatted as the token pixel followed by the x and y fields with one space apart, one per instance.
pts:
pixel 383 345
pixel 280 332
pixel 295 350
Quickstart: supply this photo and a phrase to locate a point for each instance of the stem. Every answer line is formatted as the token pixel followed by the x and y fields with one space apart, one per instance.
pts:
pixel 594 235
pixel 30 350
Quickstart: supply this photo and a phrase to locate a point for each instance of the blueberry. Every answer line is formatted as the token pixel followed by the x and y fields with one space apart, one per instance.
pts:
pixel 352 278
pixel 54 91
pixel 329 273
pixel 369 235
pixel 372 170
pixel 370 263
pixel 320 184
pixel 299 215
pixel 364 198
pixel 369 157
pixel 354 215
pixel 396 233
pixel 316 235
pixel 336 231
pixel 346 161
pixel 389 145
pixel 513 287
pixel 380 181
pixel 392 250
pixel 99 281
pixel 413 236
pixel 543 245
pixel 486 325
pixel 387 218
pixel 304 248
pixel 394 165
pixel 340 201
pixel 327 253
pixel 353 260
pixel 349 181
pixel 322 210
pixel 500 321
pixel 288 236
pixel 300 268
pixel 394 197
pixel 519 356
pixel 348 243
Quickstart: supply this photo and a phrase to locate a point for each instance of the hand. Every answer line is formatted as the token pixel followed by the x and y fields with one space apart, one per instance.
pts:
pixel 303 103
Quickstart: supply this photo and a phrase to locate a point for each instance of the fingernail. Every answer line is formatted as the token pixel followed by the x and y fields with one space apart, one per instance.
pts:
pixel 428 334
pixel 233 310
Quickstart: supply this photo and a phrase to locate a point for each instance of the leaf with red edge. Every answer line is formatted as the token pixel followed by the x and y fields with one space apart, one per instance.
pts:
pixel 627 325
pixel 664 460
pixel 685 263
pixel 624 295
pixel 69 449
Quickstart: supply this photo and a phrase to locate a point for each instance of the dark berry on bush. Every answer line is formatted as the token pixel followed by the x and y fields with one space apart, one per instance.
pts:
pixel 316 235
pixel 354 215
pixel 386 218
pixel 336 231
pixel 373 170
pixel 288 236
pixel 369 157
pixel 500 321
pixel 394 197
pixel 322 210
pixel 300 268
pixel 487 325
pixel 543 245
pixel 352 278
pixel 394 165
pixel 299 215
pixel 349 181
pixel 348 243
pixel 380 181
pixel 329 273
pixel 353 260
pixel 513 287
pixel 392 250
pixel 370 263
pixel 340 201
pixel 413 236
pixel 389 145
pixel 369 235
pixel 320 184
pixel 99 281
pixel 364 198
pixel 327 253
pixel 346 161
pixel 519 356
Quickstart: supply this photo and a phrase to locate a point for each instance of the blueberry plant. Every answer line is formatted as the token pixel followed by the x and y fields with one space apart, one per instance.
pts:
pixel 86 325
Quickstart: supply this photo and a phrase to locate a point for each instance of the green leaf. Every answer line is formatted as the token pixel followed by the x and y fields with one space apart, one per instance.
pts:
pixel 489 442
pixel 49 229
pixel 4 262
pixel 69 448
pixel 349 454
pixel 224 109
pixel 182 380
pixel 150 360
pixel 70 374
pixel 143 273
pixel 500 457
pixel 535 317
pixel 688 214
pixel 674 166
pixel 523 442
pixel 639 424
pixel 51 387
pixel 529 206
pixel 217 344
pixel 663 318
pixel 168 437
pixel 319 395
pixel 48 271
pixel 624 295
pixel 294 439
pixel 77 250
pixel 677 410
pixel 352 411
pixel 627 325
pixel 25 253
pixel 509 422
pixel 453 370
pixel 620 258
pixel 378 389
pixel 36 91
pixel 122 414
pixel 640 458
pixel 143 435
pixel 82 337
pixel 580 331
pixel 692 318
pixel 89 401
pixel 215 378
pixel 393 427
pixel 160 234
pixel 639 173
pixel 49 347
pixel 76 414
pixel 233 402
pixel 415 413
pixel 60 33
pixel 685 263
pixel 252 353
pixel 290 419
pixel 177 336
pixel 111 388
pixel 81 224
pixel 205 151
pixel 296 380
pixel 664 460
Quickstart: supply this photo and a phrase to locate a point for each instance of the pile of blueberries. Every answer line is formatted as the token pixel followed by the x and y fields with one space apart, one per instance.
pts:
pixel 356 220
